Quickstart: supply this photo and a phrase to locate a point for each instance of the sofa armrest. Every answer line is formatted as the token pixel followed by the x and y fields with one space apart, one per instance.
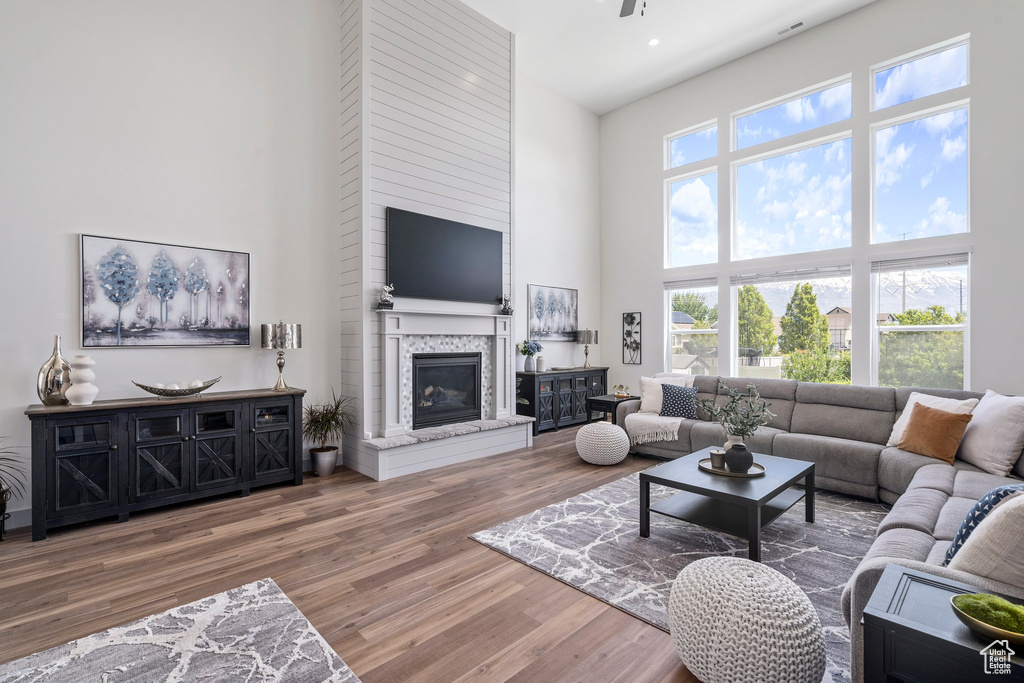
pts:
pixel 865 579
pixel 626 408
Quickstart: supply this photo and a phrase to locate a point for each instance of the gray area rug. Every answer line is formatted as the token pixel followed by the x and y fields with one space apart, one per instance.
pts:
pixel 252 633
pixel 592 543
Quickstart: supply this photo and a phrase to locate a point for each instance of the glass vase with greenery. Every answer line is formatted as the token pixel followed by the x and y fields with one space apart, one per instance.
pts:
pixel 742 414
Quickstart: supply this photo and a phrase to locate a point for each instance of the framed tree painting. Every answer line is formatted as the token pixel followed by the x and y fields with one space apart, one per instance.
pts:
pixel 553 313
pixel 150 294
pixel 631 346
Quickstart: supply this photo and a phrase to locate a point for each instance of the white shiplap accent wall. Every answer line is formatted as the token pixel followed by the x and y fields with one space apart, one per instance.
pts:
pixel 440 138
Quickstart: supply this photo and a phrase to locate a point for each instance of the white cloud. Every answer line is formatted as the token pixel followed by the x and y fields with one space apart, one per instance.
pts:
pixel 921 77
pixel 888 159
pixel 693 223
pixel 951 149
pixel 941 220
pixel 836 96
pixel 926 180
pixel 776 210
pixel 799 110
pixel 836 152
pixel 943 123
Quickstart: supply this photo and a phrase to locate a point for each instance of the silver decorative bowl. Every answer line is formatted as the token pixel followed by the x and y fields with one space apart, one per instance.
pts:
pixel 177 393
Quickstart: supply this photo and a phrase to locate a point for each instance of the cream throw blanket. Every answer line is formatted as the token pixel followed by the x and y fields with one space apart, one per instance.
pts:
pixel 647 428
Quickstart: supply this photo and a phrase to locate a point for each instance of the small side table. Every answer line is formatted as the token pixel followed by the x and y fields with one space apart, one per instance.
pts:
pixel 912 634
pixel 608 403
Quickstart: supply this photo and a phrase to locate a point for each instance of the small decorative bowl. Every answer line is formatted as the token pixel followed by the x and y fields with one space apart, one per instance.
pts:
pixel 987 631
pixel 177 393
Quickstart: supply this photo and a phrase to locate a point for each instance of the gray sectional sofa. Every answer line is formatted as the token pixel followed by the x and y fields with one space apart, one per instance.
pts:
pixel 844 430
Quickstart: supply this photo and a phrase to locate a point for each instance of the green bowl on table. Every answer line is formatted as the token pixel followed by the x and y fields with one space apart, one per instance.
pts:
pixel 990 616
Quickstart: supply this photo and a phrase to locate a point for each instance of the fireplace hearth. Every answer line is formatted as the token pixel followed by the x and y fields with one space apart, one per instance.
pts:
pixel 445 388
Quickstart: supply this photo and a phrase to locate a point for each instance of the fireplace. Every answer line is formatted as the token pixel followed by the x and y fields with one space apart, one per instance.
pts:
pixel 445 388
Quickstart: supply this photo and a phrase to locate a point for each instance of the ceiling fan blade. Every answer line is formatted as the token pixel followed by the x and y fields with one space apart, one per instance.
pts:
pixel 627 8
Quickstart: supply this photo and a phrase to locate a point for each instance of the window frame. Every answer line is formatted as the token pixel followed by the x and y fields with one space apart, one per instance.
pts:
pixel 692 130
pixel 916 115
pixel 933 49
pixel 814 89
pixel 671 287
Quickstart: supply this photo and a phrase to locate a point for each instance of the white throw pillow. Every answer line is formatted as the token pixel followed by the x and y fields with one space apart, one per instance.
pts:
pixel 950 405
pixel 650 391
pixel 995 549
pixel 995 438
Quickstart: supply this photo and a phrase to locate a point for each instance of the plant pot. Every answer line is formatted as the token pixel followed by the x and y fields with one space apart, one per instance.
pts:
pixel 732 440
pixel 5 495
pixel 324 460
pixel 738 459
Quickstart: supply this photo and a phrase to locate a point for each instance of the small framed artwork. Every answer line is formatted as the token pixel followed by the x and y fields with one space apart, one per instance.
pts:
pixel 151 294
pixel 631 344
pixel 553 313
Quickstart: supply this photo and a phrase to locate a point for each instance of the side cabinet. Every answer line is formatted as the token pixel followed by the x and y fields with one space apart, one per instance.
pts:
pixel 559 398
pixel 115 457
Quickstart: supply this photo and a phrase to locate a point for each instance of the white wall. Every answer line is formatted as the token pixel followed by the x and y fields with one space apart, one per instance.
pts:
pixel 632 172
pixel 212 124
pixel 557 212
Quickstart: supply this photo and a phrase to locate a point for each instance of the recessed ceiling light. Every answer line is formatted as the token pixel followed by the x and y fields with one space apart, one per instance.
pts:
pixel 653 41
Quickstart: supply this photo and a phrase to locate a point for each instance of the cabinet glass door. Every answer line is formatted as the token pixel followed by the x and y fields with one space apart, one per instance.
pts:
pixel 82 475
pixel 216 454
pixel 159 447
pixel 272 440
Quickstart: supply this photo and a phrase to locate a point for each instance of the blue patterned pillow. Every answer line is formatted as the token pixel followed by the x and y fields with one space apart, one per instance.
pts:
pixel 677 401
pixel 981 509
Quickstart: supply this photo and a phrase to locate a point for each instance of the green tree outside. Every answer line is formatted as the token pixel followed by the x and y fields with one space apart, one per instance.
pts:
pixel 817 366
pixel 756 329
pixel 925 358
pixel 695 305
pixel 804 328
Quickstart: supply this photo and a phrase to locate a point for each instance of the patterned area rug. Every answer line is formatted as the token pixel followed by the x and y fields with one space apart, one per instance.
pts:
pixel 253 633
pixel 592 543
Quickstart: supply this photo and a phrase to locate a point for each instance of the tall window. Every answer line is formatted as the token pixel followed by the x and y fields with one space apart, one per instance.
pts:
pixel 693 220
pixel 693 328
pixel 795 202
pixel 921 321
pixel 794 325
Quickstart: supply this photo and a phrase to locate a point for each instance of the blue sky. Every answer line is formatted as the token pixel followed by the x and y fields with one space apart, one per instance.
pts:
pixel 693 221
pixel 804 113
pixel 693 147
pixel 794 202
pixel 921 77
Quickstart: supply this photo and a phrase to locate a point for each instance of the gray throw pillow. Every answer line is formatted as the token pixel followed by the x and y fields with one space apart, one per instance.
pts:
pixel 996 548
pixel 995 438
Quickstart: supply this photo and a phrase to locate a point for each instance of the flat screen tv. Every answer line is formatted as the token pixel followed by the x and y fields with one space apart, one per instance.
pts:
pixel 434 258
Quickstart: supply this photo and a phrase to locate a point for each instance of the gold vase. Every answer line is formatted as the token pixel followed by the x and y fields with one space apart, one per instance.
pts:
pixel 54 378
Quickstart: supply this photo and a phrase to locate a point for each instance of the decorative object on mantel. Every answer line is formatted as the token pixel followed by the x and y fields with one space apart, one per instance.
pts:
pixel 281 336
pixel 54 378
pixel 541 366
pixel 621 390
pixel 553 313
pixel 386 301
pixel 631 347
pixel 193 388
pixel 82 391
pixel 12 478
pixel 506 305
pixel 739 417
pixel 529 349
pixel 176 296
pixel 586 337
pixel 323 422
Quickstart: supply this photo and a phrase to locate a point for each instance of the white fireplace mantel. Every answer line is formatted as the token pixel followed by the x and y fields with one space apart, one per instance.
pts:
pixel 397 324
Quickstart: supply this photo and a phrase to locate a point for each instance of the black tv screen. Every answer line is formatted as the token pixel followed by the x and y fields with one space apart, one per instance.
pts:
pixel 434 258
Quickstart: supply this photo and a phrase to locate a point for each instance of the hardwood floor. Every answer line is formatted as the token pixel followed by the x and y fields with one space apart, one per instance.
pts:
pixel 384 570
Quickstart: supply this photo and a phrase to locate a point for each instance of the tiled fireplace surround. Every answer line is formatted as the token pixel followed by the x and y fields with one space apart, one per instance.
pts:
pixel 405 333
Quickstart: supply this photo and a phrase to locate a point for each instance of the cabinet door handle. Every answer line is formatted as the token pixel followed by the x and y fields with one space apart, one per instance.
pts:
pixel 253 430
pixel 113 447
pixel 184 438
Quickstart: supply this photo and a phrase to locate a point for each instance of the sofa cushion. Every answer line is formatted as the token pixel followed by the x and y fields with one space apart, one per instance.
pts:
pixel 710 435
pixel 928 397
pixel 977 513
pixel 682 442
pixel 707 388
pixel 974 485
pixel 917 509
pixel 844 412
pixel 933 432
pixel 934 476
pixel 938 553
pixel 901 544
pixel 678 401
pixel 996 548
pixel 852 461
pixel 951 517
pixel 995 438
pixel 651 395
pixel 781 393
pixel 896 469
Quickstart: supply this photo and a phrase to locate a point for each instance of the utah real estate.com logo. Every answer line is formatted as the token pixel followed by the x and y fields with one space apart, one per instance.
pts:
pixel 997 657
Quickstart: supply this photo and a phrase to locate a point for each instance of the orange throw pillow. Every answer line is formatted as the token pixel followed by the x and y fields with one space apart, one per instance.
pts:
pixel 933 432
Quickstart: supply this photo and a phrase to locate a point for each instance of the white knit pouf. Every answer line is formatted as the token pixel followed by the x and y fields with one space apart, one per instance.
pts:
pixel 601 443
pixel 732 619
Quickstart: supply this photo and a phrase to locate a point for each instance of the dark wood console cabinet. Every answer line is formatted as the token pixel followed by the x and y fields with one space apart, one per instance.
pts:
pixel 112 458
pixel 558 398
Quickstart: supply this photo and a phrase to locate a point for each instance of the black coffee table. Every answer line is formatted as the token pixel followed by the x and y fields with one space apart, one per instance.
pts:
pixel 740 507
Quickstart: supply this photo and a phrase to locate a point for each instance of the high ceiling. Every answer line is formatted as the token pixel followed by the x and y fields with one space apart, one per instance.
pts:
pixel 582 49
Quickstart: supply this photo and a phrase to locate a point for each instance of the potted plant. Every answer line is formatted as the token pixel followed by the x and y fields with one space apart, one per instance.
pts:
pixel 12 479
pixel 740 416
pixel 324 422
pixel 529 349
pixel 519 398
pixel 621 390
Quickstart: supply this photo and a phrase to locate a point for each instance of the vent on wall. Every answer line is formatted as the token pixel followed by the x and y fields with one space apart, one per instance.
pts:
pixel 786 30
